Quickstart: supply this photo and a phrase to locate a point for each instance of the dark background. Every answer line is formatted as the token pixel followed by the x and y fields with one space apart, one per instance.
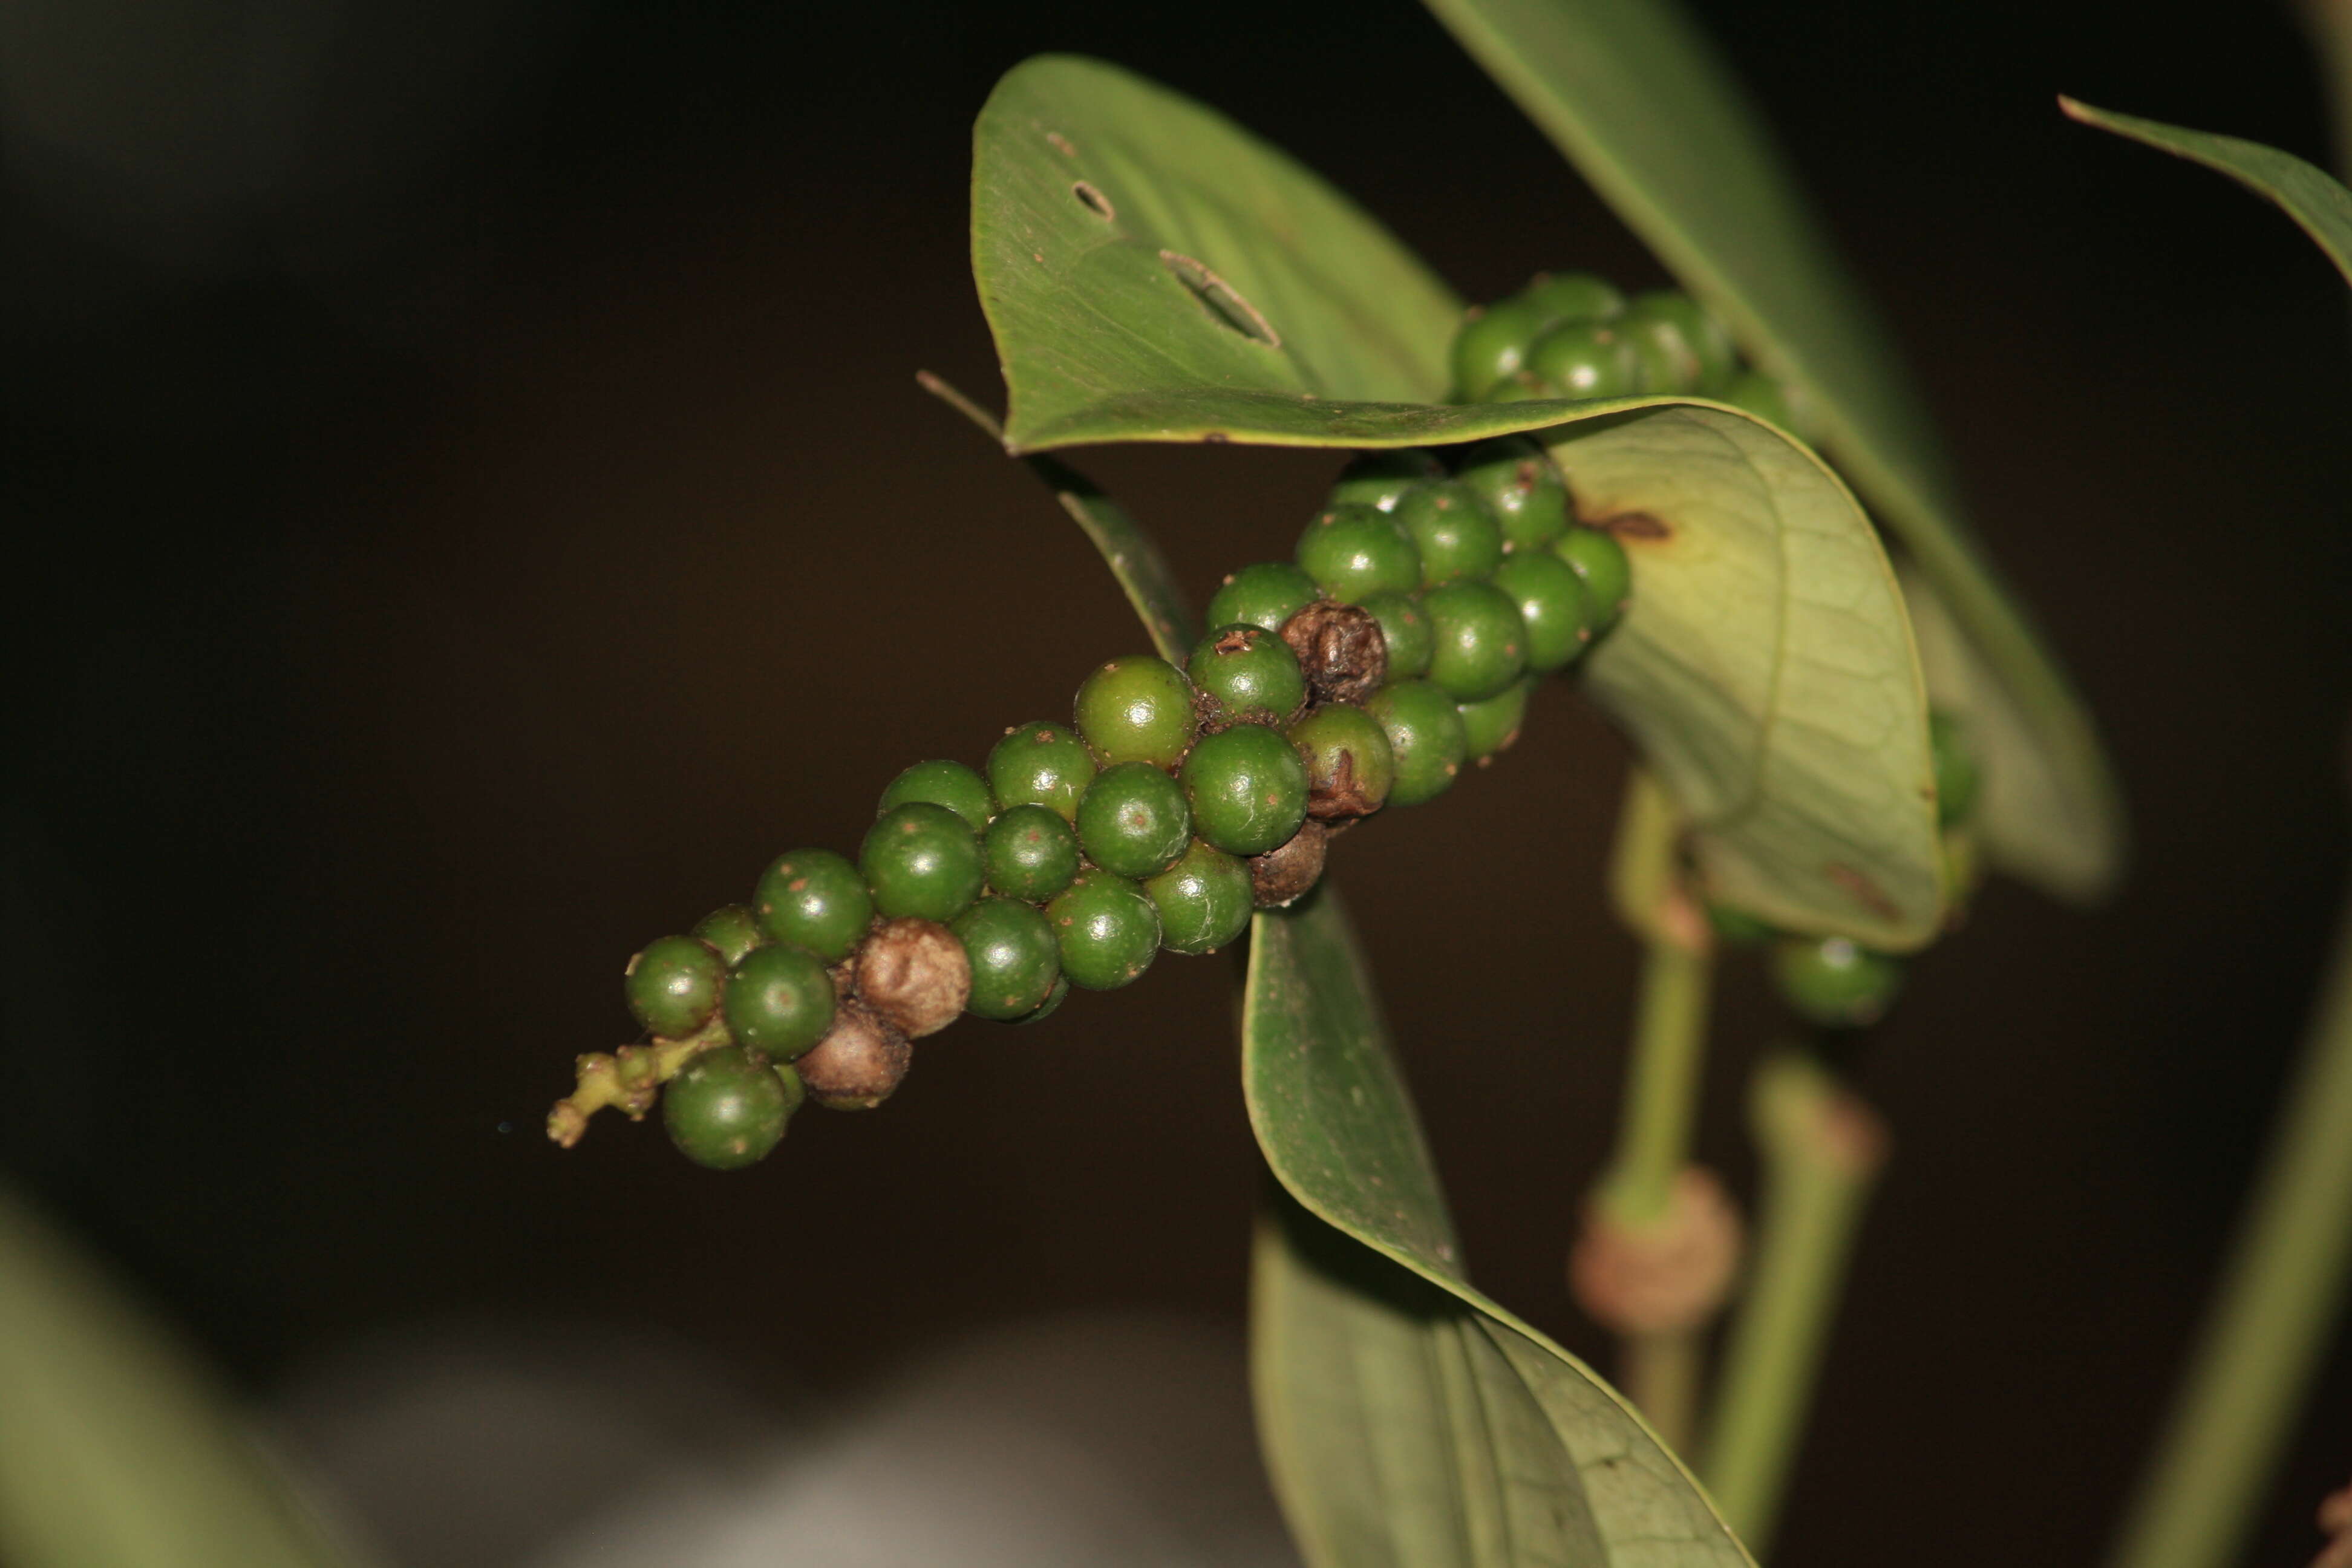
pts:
pixel 472 510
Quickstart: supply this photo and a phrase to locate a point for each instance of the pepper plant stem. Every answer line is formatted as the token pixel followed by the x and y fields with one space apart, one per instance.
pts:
pixel 1661 1084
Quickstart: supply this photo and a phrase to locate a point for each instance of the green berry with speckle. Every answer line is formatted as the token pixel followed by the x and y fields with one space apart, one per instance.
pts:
pixel 921 859
pixel 816 899
pixel 1352 551
pixel 1600 560
pixel 731 931
pixel 1014 959
pixel 1682 347
pixel 1481 645
pixel 1204 900
pixel 1405 631
pixel 1426 739
pixel 1573 297
pixel 1248 674
pixel 1136 710
pixel 1377 479
pixel 1835 981
pixel 1052 1003
pixel 1761 395
pixel 780 1000
pixel 725 1110
pixel 673 985
pixel 1107 929
pixel 1515 478
pixel 1248 789
pixel 1350 768
pixel 1263 595
pixel 1040 765
pixel 1524 388
pixel 1030 853
pixel 1134 820
pixel 1492 727
pixel 1457 536
pixel 959 788
pixel 1588 359
pixel 1492 346
pixel 1553 606
pixel 1957 779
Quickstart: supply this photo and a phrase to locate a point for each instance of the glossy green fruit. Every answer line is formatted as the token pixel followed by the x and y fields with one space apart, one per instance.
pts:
pixel 1051 1004
pixel 1586 359
pixel 1203 900
pixel 1708 345
pixel 1352 551
pixel 673 985
pixel 731 931
pixel 1573 297
pixel 1107 929
pixel 1738 928
pixel 1350 768
pixel 1492 727
pixel 1136 710
pixel 1492 345
pixel 1457 536
pixel 780 1000
pixel 1030 853
pixel 1600 560
pixel 1248 789
pixel 1553 606
pixel 1761 395
pixel 1015 958
pixel 1427 741
pixel 1833 981
pixel 1524 388
pixel 1040 765
pixel 922 860
pixel 1481 645
pixel 816 899
pixel 1378 479
pixel 1263 595
pixel 1406 630
pixel 1957 779
pixel 1515 478
pixel 725 1110
pixel 959 788
pixel 1134 820
pixel 1248 674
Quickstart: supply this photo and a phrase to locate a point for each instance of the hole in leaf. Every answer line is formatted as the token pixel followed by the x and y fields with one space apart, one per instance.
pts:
pixel 1221 299
pixel 1095 202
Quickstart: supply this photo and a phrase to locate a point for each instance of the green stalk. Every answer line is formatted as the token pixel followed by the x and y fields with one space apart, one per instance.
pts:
pixel 2270 1321
pixel 1820 1150
pixel 1654 1129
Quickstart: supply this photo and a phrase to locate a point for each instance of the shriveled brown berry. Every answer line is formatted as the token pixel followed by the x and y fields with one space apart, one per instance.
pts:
pixel 1340 650
pixel 1285 875
pixel 916 974
pixel 860 1062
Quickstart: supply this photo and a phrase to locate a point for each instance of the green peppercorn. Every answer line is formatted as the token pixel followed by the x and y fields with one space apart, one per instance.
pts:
pixel 1761 395
pixel 1134 820
pixel 727 1110
pixel 1030 853
pixel 1137 709
pixel 1600 560
pixel 1572 297
pixel 1350 768
pixel 1957 779
pixel 673 985
pixel 921 859
pixel 816 899
pixel 1492 727
pixel 1248 674
pixel 1107 928
pixel 1352 551
pixel 1248 789
pixel 1203 900
pixel 1481 645
pixel 1377 479
pixel 1451 527
pixel 1052 1003
pixel 1040 765
pixel 1405 631
pixel 959 788
pixel 1718 358
pixel 780 1000
pixel 1587 360
pixel 731 931
pixel 1553 606
pixel 1738 928
pixel 1014 959
pixel 1426 739
pixel 1834 981
pixel 1263 595
pixel 1515 478
pixel 1492 345
pixel 1527 386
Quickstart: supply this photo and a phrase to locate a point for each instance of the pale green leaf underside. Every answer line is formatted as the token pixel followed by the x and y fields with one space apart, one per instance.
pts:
pixel 1407 1419
pixel 1632 95
pixel 114 1449
pixel 2318 204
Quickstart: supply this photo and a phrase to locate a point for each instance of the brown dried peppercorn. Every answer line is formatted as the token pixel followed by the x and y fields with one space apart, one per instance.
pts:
pixel 1340 650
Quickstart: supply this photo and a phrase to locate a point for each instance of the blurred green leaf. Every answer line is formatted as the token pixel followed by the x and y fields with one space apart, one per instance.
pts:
pixel 116 1449
pixel 1632 94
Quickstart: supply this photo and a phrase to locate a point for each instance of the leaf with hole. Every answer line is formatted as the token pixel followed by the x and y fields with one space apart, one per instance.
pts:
pixel 1631 93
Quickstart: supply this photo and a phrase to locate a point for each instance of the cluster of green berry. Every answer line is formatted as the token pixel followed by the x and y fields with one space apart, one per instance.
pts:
pixel 1571 334
pixel 1400 643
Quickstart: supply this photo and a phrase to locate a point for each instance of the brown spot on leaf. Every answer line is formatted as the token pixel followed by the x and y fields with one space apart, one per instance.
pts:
pixel 1863 891
pixel 1632 525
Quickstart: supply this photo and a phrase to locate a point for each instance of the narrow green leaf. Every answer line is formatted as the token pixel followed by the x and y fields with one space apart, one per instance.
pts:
pixel 115 1448
pixel 1632 94
pixel 2320 206
pixel 1407 1418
